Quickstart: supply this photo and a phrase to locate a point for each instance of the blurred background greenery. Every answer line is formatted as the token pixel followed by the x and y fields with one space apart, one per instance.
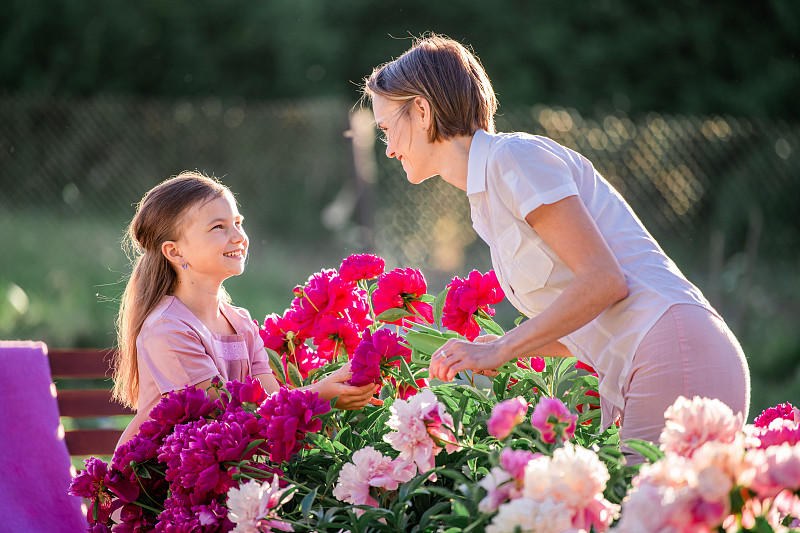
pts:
pixel 689 108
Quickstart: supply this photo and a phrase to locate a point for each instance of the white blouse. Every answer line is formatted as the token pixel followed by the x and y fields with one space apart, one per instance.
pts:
pixel 510 175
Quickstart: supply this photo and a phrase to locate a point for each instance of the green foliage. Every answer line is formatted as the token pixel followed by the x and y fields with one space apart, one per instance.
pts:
pixel 684 57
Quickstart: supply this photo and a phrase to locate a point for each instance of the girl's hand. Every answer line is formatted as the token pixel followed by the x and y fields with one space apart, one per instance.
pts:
pixel 482 356
pixel 349 397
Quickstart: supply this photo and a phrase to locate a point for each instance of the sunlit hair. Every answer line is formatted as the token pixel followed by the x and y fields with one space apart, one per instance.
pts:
pixel 448 76
pixel 160 216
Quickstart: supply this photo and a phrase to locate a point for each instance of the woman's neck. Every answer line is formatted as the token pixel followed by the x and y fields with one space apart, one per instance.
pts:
pixel 454 159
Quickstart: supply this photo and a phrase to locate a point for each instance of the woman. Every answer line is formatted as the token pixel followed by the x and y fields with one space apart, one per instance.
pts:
pixel 567 249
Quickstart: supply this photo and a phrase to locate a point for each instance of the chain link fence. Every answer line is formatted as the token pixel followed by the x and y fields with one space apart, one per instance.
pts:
pixel 718 192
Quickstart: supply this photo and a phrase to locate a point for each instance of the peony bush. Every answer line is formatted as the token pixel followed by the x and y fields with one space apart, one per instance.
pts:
pixel 522 452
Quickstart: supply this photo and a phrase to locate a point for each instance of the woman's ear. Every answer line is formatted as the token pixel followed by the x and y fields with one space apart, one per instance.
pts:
pixel 423 109
pixel 171 252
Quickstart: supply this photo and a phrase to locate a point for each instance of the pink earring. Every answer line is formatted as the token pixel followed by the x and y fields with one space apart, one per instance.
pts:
pixel 185 266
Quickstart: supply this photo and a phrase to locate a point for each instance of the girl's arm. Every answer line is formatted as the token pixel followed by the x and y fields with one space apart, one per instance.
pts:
pixel 268 382
pixel 568 228
pixel 349 397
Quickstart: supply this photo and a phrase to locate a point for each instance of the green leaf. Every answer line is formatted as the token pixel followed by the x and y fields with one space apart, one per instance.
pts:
pixel 408 376
pixel 489 326
pixel 295 378
pixel 393 315
pixel 276 364
pixel 427 298
pixel 646 449
pixel 305 505
pixel 438 305
pixel 425 342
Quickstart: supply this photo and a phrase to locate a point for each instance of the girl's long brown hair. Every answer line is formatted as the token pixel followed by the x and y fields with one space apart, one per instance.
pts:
pixel 158 218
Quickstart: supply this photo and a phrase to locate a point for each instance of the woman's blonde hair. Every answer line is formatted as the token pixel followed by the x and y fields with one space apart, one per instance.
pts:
pixel 159 218
pixel 448 76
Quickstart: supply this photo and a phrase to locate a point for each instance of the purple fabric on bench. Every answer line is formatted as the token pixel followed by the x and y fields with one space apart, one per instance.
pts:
pixel 36 465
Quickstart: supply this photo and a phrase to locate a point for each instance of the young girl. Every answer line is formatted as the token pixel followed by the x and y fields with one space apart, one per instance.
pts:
pixel 176 325
pixel 567 249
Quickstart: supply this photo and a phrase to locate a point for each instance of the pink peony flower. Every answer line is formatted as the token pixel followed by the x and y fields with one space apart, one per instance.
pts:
pixel 506 415
pixel 324 294
pixel 402 289
pixel 250 392
pixel 361 266
pixel 383 347
pixel 370 468
pixel 505 482
pixel 776 468
pixel 469 297
pixel 419 429
pixel 531 516
pixel 289 415
pixel 783 411
pixel 553 420
pixel 252 506
pixel 690 423
pixel 576 477
pixel 304 359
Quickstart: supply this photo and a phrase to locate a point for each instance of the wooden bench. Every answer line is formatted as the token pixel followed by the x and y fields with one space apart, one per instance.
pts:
pixel 83 388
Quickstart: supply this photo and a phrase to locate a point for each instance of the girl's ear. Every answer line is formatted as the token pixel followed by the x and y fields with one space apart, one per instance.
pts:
pixel 171 252
pixel 422 109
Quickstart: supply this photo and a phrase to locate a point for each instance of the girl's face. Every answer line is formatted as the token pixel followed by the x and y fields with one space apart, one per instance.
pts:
pixel 405 136
pixel 213 241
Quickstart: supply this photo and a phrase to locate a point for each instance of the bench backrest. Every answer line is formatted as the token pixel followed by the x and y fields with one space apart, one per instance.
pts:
pixel 83 384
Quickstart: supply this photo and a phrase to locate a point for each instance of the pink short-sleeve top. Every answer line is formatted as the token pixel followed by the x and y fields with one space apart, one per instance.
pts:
pixel 175 349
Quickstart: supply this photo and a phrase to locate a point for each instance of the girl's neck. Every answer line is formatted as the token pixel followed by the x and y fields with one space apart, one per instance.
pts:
pixel 204 303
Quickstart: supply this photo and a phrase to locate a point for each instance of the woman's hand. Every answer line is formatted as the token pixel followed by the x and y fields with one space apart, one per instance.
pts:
pixel 482 356
pixel 349 397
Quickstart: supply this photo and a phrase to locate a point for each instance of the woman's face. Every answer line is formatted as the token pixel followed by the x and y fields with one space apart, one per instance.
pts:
pixel 406 138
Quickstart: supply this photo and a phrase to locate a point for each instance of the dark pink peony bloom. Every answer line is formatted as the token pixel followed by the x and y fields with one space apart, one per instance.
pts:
pixel 783 410
pixel 361 266
pixel 553 420
pixel 402 289
pixel 467 298
pixel 333 334
pixel 288 415
pixel 182 406
pixel 376 349
pixel 584 366
pixel 281 333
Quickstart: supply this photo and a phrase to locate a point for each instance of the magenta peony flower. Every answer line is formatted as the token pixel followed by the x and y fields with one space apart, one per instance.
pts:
pixel 361 266
pixel 403 289
pixel 383 347
pixel 289 415
pixel 690 423
pixel 370 468
pixel 784 411
pixel 333 334
pixel 107 490
pixel 305 359
pixel 250 392
pixel 553 420
pixel 467 298
pixel 506 415
pixel 323 294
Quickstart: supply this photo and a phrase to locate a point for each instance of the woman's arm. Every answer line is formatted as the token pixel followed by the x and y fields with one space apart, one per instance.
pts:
pixel 569 230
